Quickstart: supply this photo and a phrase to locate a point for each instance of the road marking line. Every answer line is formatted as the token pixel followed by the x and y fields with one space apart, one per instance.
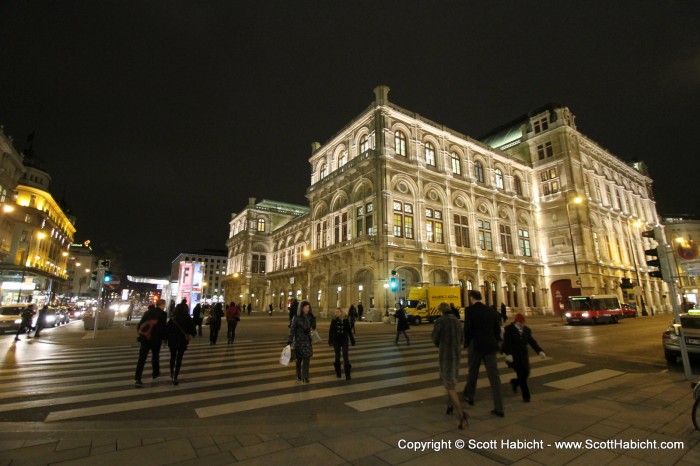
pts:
pixel 584 379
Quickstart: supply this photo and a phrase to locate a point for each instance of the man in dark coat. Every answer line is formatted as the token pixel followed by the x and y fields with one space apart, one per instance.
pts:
pixel 157 319
pixel 293 306
pixel 515 340
pixel 482 333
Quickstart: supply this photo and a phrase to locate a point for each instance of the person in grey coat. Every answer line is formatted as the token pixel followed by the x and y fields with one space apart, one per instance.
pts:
pixel 447 336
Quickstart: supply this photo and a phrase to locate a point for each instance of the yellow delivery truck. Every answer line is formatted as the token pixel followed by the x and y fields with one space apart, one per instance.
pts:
pixel 422 302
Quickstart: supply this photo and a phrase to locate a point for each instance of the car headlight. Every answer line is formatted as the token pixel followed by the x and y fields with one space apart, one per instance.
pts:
pixel 568 314
pixel 50 318
pixel 18 321
pixel 584 315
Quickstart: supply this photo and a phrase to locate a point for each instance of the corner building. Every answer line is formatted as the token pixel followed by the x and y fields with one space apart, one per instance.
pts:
pixel 394 192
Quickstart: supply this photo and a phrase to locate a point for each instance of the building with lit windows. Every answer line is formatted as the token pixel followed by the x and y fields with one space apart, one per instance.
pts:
pixel 212 267
pixel 529 214
pixel 11 169
pixel 80 266
pixel 35 266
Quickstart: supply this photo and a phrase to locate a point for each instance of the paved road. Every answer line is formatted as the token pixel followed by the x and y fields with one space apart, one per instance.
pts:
pixel 69 399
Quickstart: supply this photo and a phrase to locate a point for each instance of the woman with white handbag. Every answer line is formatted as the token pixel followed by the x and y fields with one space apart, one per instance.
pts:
pixel 300 338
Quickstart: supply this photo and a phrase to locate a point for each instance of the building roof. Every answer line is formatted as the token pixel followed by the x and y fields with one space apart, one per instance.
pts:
pixel 282 207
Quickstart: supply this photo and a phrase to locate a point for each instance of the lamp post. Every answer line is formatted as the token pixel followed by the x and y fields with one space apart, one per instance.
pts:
pixel 575 200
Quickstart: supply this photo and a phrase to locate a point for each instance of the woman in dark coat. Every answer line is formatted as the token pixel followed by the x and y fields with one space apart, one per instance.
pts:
pixel 401 324
pixel 516 338
pixel 179 327
pixel 300 338
pixel 339 334
pixel 448 337
pixel 217 313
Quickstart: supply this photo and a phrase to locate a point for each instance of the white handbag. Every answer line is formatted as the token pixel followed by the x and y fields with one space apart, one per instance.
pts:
pixel 286 355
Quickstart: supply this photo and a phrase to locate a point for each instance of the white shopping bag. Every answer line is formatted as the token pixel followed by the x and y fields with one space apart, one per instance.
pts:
pixel 286 355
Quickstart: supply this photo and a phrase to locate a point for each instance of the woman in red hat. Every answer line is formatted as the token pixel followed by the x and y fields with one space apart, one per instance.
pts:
pixel 515 341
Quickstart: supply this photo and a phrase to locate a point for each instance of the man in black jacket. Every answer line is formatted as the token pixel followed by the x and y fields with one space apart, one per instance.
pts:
pixel 156 320
pixel 482 332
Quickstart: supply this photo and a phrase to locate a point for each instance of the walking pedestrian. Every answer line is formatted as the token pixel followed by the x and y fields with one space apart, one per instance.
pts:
pixel 198 318
pixel 516 339
pixel 293 307
pixel 360 311
pixel 41 320
pixel 249 308
pixel 153 320
pixel 504 314
pixel 269 310
pixel 352 317
pixel 233 315
pixel 482 333
pixel 180 329
pixel 26 324
pixel 300 339
pixel 215 317
pixel 401 324
pixel 339 334
pixel 448 337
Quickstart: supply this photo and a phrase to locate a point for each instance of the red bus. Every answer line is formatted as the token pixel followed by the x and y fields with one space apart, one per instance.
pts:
pixel 593 309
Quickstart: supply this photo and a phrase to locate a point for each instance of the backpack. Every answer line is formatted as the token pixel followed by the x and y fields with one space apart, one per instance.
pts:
pixel 146 330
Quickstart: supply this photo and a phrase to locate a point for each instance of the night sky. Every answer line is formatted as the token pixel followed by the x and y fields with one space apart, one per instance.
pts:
pixel 158 119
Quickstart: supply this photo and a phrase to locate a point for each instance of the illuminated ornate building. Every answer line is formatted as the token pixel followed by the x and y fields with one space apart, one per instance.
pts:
pixel 529 214
pixel 35 265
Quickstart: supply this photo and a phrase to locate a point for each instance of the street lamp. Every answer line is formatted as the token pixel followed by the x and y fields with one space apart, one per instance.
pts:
pixel 575 200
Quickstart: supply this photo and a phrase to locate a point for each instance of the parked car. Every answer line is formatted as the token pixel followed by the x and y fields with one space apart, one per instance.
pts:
pixel 629 310
pixel 671 339
pixel 11 317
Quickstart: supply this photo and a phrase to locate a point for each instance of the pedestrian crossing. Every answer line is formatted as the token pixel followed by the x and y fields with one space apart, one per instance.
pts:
pixel 97 383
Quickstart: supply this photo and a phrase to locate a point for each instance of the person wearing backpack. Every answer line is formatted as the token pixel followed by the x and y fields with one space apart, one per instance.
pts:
pixel 180 330
pixel 151 331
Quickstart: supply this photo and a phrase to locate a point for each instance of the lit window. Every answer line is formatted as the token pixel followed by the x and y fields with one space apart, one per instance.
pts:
pixel 342 159
pixel 403 220
pixel 430 154
pixel 456 167
pixel 400 143
pixel 364 144
pixel 485 239
pixel 524 239
pixel 549 181
pixel 499 178
pixel 433 226
pixel 261 224
pixel 340 228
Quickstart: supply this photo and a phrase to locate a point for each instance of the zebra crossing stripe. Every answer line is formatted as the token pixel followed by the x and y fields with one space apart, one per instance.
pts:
pixel 377 402
pixel 584 379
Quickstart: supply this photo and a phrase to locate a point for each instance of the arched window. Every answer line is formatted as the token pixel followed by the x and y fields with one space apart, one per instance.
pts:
pixel 499 178
pixel 261 224
pixel 456 166
pixel 429 154
pixel 364 144
pixel 517 186
pixel 323 172
pixel 342 159
pixel 479 171
pixel 400 143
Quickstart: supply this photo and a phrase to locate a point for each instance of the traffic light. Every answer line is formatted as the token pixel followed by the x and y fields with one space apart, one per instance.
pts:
pixel 108 276
pixel 393 284
pixel 105 263
pixel 93 276
pixel 659 259
pixel 403 284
